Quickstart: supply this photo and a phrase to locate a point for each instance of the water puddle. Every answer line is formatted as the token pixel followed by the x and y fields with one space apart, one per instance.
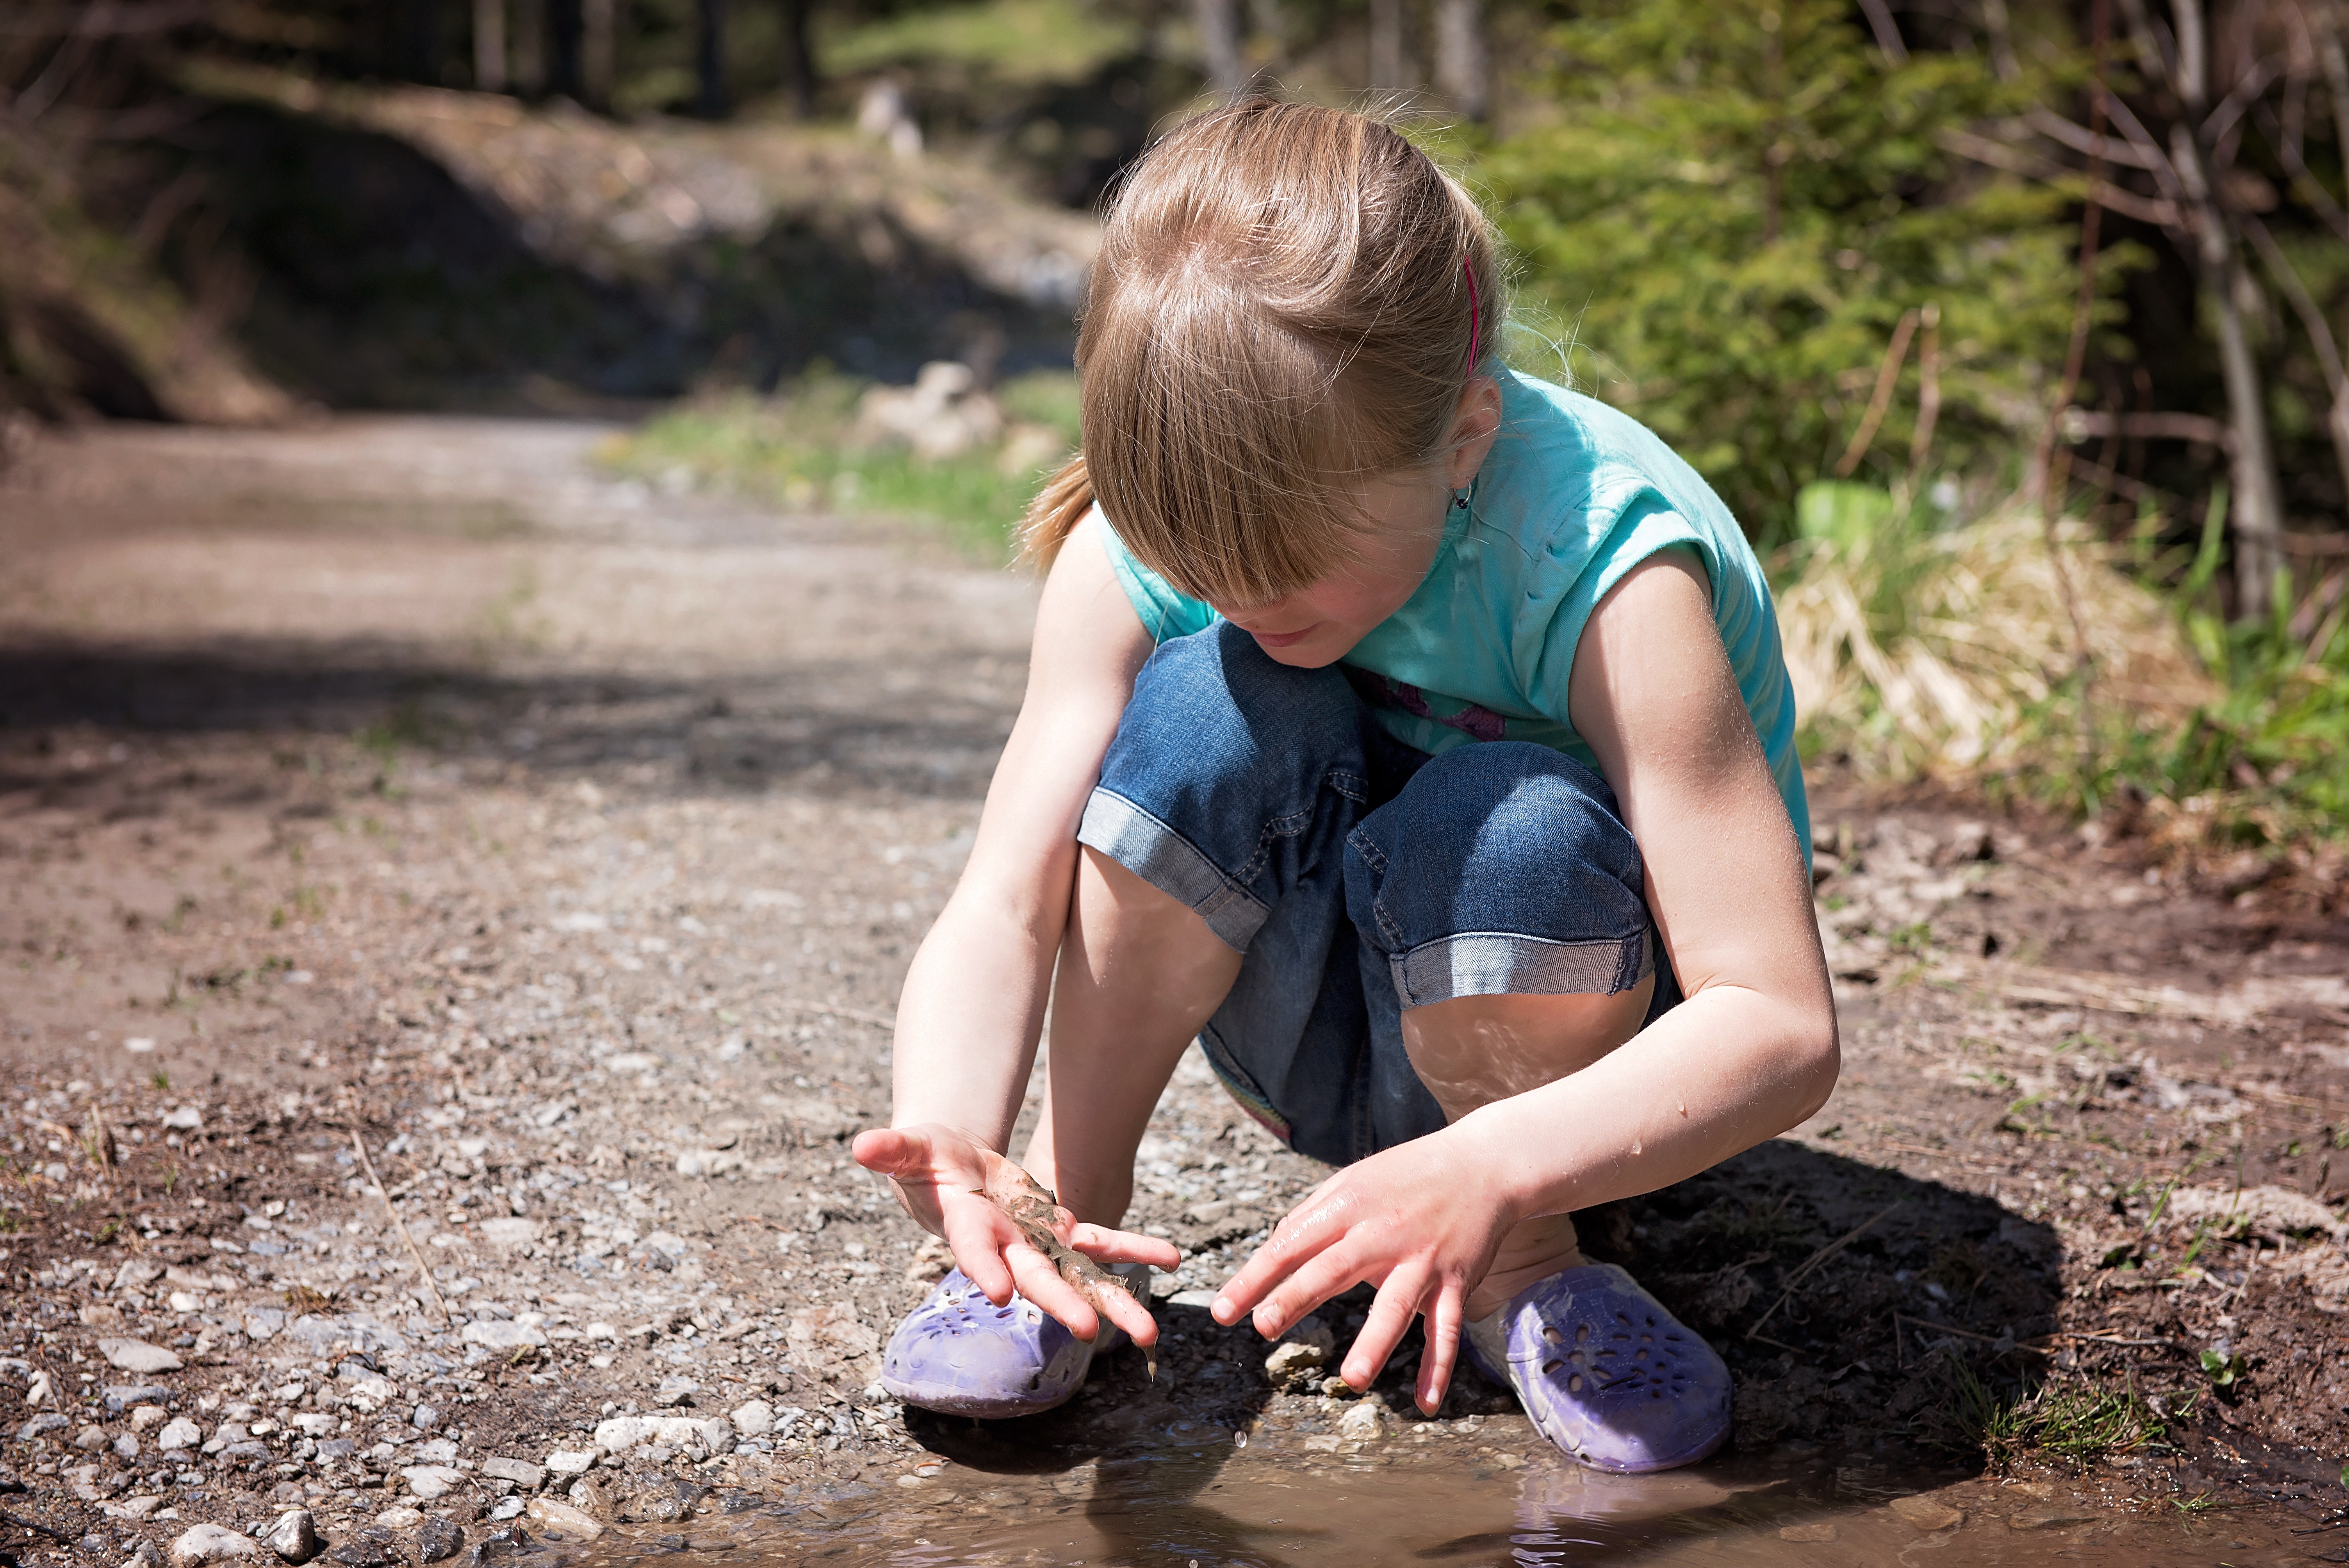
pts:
pixel 1285 1500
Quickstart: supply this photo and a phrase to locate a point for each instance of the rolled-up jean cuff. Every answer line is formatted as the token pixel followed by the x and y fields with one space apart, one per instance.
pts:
pixel 1171 863
pixel 1503 963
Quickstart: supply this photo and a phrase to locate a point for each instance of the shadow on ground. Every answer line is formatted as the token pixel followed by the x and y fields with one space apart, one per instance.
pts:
pixel 822 728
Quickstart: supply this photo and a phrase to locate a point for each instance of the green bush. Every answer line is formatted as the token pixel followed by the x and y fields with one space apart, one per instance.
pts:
pixel 1731 210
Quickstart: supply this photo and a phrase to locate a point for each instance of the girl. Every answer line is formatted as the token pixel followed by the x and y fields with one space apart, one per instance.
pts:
pixel 1414 734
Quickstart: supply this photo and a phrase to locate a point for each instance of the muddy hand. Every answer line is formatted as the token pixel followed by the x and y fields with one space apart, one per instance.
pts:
pixel 1039 1215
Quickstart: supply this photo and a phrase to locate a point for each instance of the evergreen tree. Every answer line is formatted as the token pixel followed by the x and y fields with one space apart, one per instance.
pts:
pixel 1730 211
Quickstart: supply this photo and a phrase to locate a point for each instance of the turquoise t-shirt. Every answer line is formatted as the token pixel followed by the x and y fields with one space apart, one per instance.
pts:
pixel 1573 495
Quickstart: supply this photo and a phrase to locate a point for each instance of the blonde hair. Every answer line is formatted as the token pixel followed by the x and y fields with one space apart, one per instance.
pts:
pixel 1288 297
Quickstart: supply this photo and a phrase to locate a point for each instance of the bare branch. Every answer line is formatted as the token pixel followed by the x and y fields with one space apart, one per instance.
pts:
pixel 2154 49
pixel 2164 173
pixel 2230 109
pixel 2079 424
pixel 1887 33
pixel 2014 160
pixel 2080 139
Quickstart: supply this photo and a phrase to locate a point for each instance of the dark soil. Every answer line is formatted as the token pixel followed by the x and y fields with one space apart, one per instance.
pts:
pixel 563 844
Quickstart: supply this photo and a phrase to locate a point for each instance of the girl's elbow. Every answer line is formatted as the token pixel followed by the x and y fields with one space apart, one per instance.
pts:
pixel 1818 1061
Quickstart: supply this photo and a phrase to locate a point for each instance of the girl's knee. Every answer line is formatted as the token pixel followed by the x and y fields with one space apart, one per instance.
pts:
pixel 1513 812
pixel 1502 867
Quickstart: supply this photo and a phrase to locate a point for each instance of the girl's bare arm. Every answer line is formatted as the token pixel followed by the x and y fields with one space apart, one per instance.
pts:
pixel 973 1004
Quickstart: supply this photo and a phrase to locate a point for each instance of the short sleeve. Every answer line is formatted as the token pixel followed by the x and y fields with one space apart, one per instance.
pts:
pixel 1648 524
pixel 1164 614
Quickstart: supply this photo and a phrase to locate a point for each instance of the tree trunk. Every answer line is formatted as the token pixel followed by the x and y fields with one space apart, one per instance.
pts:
pixel 799 57
pixel 1218 23
pixel 1386 45
pixel 1461 73
pixel 597 21
pixel 709 59
pixel 2257 517
pixel 490 46
pixel 563 34
pixel 528 66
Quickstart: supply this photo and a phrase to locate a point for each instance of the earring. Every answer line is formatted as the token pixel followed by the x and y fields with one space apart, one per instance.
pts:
pixel 1460 500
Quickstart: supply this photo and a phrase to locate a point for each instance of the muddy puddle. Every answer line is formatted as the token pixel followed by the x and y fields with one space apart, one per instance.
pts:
pixel 1275 1501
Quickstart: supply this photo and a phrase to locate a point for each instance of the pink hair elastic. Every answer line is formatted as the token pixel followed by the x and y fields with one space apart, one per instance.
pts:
pixel 1476 313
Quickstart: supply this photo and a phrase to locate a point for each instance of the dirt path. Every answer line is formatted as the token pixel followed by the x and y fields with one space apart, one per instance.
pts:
pixel 567 841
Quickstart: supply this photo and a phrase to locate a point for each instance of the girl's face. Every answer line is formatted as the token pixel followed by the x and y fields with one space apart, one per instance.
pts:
pixel 1406 514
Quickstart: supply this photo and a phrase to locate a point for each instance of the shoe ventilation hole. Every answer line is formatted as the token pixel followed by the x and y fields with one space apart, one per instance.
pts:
pixel 1573 1384
pixel 1550 1367
pixel 1553 1335
pixel 1581 1332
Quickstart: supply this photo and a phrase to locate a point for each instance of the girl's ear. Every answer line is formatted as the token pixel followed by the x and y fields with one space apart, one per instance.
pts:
pixel 1474 428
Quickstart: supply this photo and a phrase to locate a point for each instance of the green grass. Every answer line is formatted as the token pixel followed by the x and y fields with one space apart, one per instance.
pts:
pixel 798 448
pixel 2077 1422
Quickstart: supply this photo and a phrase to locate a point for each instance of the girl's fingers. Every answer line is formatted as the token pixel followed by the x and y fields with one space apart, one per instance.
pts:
pixel 1330 1272
pixel 1108 1246
pixel 1041 1284
pixel 1122 1309
pixel 1382 1329
pixel 977 1238
pixel 1306 1231
pixel 1445 1325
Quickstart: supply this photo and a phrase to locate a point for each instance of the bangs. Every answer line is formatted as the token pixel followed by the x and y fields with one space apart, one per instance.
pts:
pixel 1221 441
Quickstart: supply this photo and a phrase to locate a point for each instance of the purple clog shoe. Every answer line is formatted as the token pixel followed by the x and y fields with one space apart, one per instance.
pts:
pixel 961 1354
pixel 1605 1372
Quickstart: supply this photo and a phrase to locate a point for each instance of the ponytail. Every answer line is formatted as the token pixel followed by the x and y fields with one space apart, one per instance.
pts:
pixel 1057 510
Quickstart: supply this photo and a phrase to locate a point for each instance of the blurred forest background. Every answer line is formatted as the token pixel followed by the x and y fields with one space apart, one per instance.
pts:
pixel 2015 336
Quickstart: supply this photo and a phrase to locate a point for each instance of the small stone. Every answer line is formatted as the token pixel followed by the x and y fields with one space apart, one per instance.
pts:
pixel 619 1434
pixel 522 1472
pixel 138 1356
pixel 185 1119
pixel 1925 1514
pixel 676 1392
pixel 137 1274
pixel 211 1543
pixel 1301 1355
pixel 144 1556
pixel 90 1438
pixel 148 1415
pixel 179 1433
pixel 571 1461
pixel 561 1520
pixel 507 1508
pixel 509 1232
pixel 375 1546
pixel 1364 1423
pixel 121 1397
pixel 431 1481
pixel 126 1448
pixel 294 1536
pixel 399 1517
pixel 425 1418
pixel 1823 1531
pixel 500 1334
pixel 755 1420
pixel 439 1539
pixel 2050 1516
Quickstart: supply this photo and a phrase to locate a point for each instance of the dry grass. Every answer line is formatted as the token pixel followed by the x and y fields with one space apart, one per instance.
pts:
pixel 1952 655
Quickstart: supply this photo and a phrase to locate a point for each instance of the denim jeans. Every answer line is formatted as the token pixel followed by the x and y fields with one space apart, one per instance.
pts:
pixel 1357 877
